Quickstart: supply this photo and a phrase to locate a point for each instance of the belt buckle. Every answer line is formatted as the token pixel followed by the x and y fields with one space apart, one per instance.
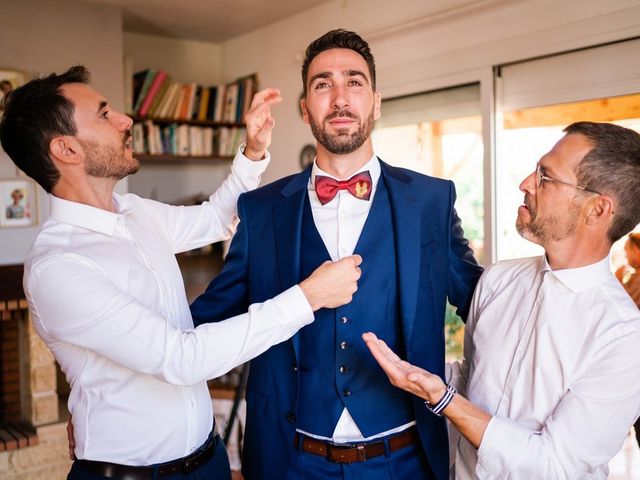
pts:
pixel 360 451
pixel 189 464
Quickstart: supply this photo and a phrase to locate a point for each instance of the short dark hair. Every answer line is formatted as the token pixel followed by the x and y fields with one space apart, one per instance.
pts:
pixel 338 38
pixel 612 167
pixel 34 114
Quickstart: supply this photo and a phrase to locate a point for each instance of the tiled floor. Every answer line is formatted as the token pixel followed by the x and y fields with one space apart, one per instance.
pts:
pixel 626 464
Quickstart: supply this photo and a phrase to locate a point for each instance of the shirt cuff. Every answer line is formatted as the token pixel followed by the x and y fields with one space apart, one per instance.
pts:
pixel 297 305
pixel 245 165
pixel 500 449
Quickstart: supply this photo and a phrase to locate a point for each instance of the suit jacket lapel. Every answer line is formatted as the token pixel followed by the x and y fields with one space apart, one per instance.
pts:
pixel 287 218
pixel 407 225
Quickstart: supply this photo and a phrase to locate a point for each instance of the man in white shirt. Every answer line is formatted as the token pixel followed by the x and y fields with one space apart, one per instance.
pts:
pixel 106 294
pixel 550 373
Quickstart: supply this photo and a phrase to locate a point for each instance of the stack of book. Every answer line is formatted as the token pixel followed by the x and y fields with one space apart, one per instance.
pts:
pixel 186 140
pixel 187 119
pixel 157 95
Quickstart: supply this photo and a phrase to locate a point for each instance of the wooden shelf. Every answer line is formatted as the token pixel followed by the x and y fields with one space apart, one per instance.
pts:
pixel 201 123
pixel 222 393
pixel 176 159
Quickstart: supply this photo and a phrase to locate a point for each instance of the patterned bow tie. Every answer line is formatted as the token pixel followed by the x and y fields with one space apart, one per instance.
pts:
pixel 359 186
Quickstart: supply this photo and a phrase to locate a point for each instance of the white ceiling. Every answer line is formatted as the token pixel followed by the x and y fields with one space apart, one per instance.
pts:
pixel 207 20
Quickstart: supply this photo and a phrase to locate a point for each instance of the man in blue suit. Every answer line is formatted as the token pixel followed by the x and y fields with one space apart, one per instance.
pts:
pixel 318 406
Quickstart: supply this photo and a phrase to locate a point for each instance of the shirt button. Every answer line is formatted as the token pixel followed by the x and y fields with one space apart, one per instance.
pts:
pixel 294 369
pixel 346 392
pixel 343 345
pixel 344 319
pixel 343 369
pixel 291 417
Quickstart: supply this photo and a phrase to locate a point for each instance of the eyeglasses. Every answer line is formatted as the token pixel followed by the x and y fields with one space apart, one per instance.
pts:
pixel 541 178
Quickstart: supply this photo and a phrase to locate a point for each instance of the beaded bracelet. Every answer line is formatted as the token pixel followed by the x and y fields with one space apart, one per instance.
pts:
pixel 443 403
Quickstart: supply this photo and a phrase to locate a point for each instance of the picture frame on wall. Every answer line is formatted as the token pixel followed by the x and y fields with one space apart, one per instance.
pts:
pixel 18 203
pixel 307 155
pixel 9 80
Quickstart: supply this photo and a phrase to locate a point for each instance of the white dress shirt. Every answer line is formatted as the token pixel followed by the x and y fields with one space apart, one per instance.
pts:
pixel 340 223
pixel 106 295
pixel 553 356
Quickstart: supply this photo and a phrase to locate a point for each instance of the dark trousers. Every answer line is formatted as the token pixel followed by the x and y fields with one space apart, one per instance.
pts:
pixel 217 468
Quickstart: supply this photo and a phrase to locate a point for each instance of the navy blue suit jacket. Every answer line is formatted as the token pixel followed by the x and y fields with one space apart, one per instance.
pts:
pixel 434 264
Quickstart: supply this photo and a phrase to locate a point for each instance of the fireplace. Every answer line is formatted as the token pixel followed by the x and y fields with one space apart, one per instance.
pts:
pixel 33 440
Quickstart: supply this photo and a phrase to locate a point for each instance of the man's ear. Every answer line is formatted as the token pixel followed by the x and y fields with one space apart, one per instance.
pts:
pixel 600 209
pixel 377 101
pixel 305 112
pixel 65 149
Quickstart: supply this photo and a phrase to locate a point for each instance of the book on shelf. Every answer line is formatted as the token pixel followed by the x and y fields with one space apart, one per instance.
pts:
pixel 203 104
pixel 219 107
pixel 231 102
pixel 167 99
pixel 145 79
pixel 152 92
pixel 158 97
pixel 211 105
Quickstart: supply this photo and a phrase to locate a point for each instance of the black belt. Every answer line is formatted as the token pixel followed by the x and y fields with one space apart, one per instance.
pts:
pixel 355 452
pixel 182 465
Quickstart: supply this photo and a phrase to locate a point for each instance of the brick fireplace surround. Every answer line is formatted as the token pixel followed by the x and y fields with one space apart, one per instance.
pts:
pixel 33 440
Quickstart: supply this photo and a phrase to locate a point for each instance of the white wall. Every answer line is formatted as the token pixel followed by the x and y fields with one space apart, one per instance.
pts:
pixel 420 46
pixel 42 36
pixel 184 60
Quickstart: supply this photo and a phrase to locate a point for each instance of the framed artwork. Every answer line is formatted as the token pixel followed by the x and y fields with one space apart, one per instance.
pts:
pixel 18 203
pixel 9 79
pixel 307 155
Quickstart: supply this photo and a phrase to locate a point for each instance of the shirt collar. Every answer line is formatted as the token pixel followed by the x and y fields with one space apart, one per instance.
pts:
pixel 86 216
pixel 581 278
pixel 373 166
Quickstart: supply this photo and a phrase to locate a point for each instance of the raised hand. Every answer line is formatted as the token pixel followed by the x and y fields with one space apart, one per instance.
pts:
pixel 260 123
pixel 333 284
pixel 404 375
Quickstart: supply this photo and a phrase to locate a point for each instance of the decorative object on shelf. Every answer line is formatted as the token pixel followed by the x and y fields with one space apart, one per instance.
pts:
pixel 307 155
pixel 18 203
pixel 176 121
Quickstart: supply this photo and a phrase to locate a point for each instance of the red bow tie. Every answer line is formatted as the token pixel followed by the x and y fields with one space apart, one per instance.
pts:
pixel 359 186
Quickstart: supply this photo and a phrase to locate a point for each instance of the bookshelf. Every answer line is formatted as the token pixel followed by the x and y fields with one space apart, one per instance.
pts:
pixel 178 123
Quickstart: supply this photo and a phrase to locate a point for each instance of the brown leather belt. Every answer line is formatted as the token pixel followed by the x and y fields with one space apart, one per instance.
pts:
pixel 355 452
pixel 182 465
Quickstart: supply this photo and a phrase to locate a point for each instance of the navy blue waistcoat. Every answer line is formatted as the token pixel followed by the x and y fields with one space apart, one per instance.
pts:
pixel 336 368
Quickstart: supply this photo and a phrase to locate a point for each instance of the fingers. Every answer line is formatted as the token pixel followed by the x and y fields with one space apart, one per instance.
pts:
pixel 356 259
pixel 72 443
pixel 267 97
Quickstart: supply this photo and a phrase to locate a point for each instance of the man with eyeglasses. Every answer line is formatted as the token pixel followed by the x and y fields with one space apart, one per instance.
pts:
pixel 550 380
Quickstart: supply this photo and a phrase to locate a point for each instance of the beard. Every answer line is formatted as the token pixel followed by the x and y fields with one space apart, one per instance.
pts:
pixel 342 142
pixel 552 228
pixel 108 161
